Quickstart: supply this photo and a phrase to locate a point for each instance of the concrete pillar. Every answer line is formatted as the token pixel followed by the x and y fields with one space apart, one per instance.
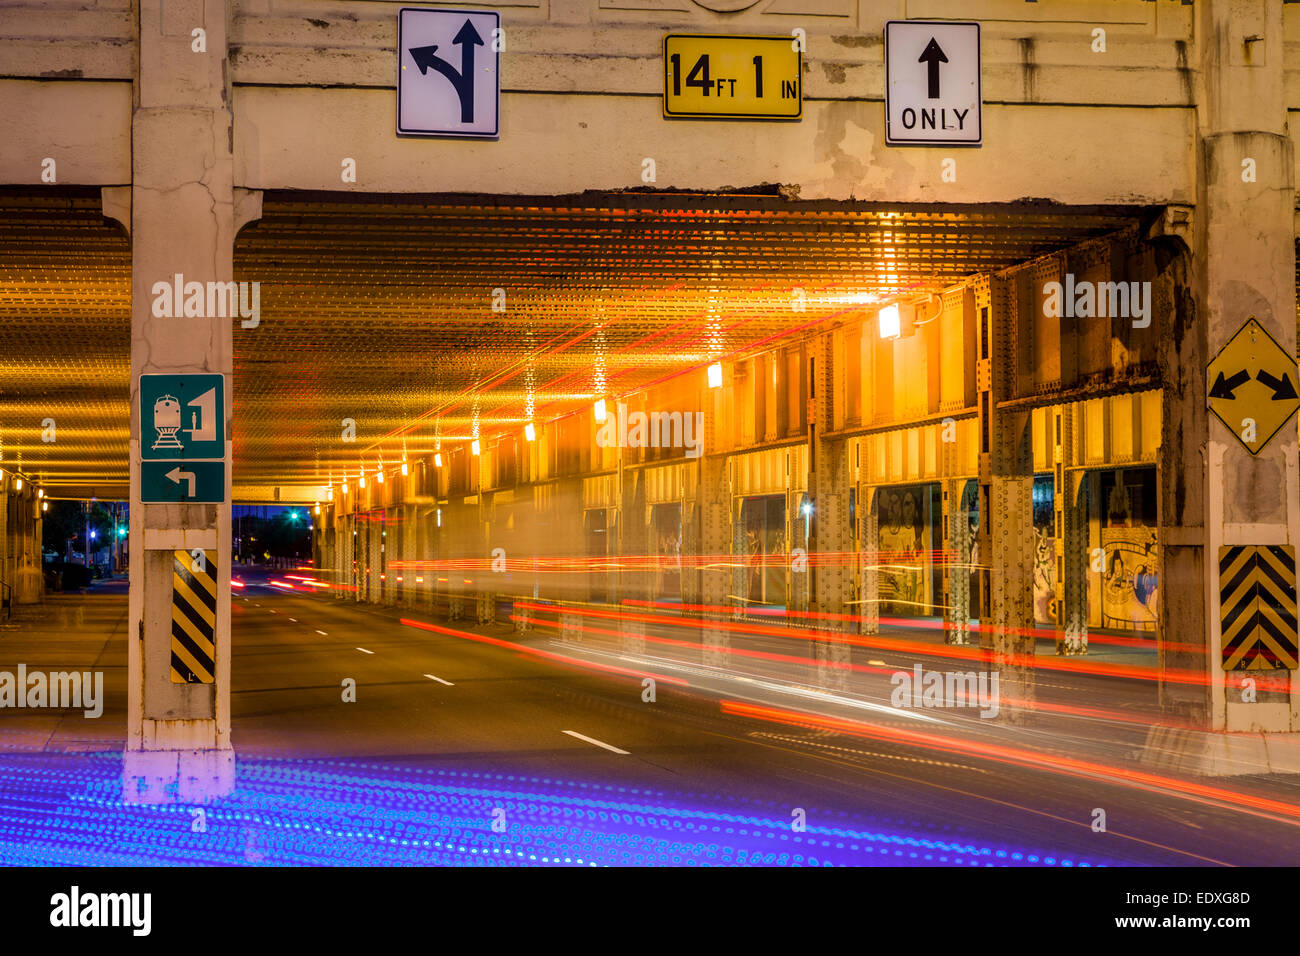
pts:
pixel 956 574
pixel 1214 493
pixel 182 222
pixel 1006 487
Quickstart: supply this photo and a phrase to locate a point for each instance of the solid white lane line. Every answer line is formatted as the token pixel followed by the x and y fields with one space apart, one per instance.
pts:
pixel 364 651
pixel 440 680
pixel 593 740
pixel 322 634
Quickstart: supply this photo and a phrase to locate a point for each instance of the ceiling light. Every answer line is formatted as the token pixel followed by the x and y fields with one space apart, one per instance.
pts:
pixel 403 468
pixel 715 375
pixel 599 410
pixel 437 459
pixel 530 433
pixel 474 447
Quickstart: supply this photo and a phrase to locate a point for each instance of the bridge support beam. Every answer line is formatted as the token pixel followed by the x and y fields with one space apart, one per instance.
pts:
pixel 182 222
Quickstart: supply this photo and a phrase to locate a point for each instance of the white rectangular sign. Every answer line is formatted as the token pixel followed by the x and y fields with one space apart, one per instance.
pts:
pixel 932 83
pixel 448 75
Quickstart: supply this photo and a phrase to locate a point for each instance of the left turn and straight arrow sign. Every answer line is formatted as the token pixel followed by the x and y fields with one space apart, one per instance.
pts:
pixel 448 76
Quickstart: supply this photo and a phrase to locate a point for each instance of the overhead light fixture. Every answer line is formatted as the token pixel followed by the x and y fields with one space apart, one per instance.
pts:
pixel 345 487
pixel 318 507
pixel 599 410
pixel 18 484
pixel 437 459
pixel 379 475
pixel 330 496
pixel 715 375
pixel 890 324
pixel 530 433
pixel 474 447
pixel 403 468
pixel 361 482
pixel 40 492
pixel 45 506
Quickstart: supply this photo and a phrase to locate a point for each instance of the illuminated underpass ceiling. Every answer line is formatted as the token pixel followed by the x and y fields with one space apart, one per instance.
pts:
pixel 417 319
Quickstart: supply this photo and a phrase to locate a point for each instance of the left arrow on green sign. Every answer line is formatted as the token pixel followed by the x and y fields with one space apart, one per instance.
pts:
pixel 164 482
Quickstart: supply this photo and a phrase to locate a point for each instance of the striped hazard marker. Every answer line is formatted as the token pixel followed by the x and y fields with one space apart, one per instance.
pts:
pixel 194 617
pixel 1257 604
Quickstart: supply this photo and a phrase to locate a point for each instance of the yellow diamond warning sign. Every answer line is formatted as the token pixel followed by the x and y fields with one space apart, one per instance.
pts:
pixel 1252 384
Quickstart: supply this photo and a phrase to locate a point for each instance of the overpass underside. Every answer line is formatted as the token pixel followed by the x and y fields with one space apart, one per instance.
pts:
pixel 606 414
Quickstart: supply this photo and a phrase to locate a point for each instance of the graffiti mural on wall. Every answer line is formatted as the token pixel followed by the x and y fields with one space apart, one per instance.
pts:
pixel 1045 603
pixel 1130 590
pixel 901 546
pixel 1129 587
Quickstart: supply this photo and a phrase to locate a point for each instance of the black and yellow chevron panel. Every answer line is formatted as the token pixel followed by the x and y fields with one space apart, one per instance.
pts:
pixel 1257 607
pixel 194 617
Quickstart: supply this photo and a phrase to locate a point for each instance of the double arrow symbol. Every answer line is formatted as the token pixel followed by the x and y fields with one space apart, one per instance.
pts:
pixel 1283 388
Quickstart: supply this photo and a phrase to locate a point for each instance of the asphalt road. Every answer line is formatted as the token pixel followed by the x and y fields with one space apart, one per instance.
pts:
pixel 471 743
pixel 436 700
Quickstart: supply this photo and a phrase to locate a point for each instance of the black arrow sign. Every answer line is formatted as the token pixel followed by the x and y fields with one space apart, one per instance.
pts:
pixel 1282 387
pixel 463 81
pixel 1223 389
pixel 933 55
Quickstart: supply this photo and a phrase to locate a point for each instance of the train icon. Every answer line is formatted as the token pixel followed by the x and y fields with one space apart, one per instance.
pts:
pixel 167 421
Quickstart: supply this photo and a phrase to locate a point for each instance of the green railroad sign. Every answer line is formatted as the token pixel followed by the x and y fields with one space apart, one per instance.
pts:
pixel 182 417
pixel 182 438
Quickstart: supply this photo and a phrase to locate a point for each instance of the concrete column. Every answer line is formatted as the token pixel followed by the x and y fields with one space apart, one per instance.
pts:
pixel 1006 479
pixel 956 575
pixel 1213 492
pixel 182 222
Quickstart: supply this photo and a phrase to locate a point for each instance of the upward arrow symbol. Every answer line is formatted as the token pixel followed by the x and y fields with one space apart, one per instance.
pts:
pixel 463 81
pixel 932 56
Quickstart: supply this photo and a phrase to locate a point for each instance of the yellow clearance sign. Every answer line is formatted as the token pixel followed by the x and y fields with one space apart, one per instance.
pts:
pixel 1252 383
pixel 732 77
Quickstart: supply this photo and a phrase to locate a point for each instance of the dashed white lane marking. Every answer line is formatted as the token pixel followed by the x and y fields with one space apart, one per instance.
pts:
pixel 864 753
pixel 275 612
pixel 322 634
pixel 440 680
pixel 364 651
pixel 593 740
pixel 293 620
